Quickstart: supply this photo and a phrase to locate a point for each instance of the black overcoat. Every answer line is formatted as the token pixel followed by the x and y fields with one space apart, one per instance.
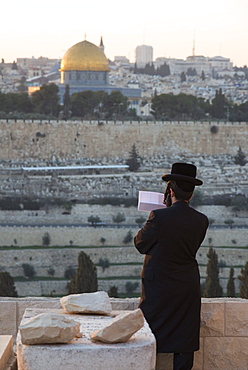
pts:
pixel 170 297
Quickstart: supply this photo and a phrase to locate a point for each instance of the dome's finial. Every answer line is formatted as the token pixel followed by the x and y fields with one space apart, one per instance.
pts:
pixel 85 36
pixel 101 46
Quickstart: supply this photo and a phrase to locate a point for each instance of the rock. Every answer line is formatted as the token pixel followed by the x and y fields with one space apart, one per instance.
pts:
pixel 98 303
pixel 49 328
pixel 121 328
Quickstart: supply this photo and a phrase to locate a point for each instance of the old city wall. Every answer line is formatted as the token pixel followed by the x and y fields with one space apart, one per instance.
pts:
pixel 55 140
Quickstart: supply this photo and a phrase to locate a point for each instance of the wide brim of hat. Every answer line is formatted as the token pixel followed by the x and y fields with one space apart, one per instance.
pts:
pixel 173 176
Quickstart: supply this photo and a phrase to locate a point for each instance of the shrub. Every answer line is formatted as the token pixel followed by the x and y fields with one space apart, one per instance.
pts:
pixel 128 238
pixel 46 240
pixel 7 286
pixel 28 270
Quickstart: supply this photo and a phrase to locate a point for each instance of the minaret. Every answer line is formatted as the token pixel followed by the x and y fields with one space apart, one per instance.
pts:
pixel 101 46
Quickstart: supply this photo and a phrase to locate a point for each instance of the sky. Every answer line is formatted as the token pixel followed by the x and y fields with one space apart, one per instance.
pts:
pixel 50 28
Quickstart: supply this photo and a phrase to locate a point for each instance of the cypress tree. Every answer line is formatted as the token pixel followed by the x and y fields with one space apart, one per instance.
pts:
pixel 134 160
pixel 230 289
pixel 212 287
pixel 244 282
pixel 7 286
pixel 85 280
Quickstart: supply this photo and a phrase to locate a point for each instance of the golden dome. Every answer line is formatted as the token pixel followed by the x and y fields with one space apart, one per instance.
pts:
pixel 84 56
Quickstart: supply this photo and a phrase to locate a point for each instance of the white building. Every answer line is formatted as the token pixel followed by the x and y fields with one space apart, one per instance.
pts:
pixel 220 63
pixel 144 55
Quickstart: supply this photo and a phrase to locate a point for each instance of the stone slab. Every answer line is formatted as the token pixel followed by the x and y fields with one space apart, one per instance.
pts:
pixel 139 353
pixel 8 324
pixel 6 350
pixel 212 318
pixel 225 353
pixel 237 318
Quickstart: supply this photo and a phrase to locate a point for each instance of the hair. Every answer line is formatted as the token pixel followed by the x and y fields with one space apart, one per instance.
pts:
pixel 183 189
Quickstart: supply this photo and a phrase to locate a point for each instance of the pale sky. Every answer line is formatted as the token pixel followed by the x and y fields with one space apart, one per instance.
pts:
pixel 50 28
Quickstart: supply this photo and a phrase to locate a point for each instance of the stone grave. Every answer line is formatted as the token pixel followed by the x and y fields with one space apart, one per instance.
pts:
pixel 138 353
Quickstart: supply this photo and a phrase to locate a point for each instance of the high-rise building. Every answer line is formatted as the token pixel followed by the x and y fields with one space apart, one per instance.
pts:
pixel 144 55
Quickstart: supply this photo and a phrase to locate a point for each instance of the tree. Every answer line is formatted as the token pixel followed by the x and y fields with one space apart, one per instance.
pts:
pixel 85 280
pixel 7 286
pixel 183 77
pixel 67 103
pixel 113 292
pixel 203 77
pixel 120 217
pixel 46 100
pixel 128 238
pixel 243 277
pixel 130 288
pixel 134 160
pixel 212 287
pixel 102 240
pixel 28 270
pixel 94 220
pixel 46 239
pixel 218 105
pixel 229 223
pixel 104 263
pixel 230 289
pixel 240 157
pixel 140 220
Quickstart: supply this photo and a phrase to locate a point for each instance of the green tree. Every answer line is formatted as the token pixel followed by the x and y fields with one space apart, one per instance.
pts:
pixel 104 263
pixel 46 239
pixel 128 238
pixel 240 157
pixel 116 105
pixel 120 217
pixel 229 223
pixel 212 288
pixel 218 105
pixel 46 100
pixel 183 77
pixel 28 270
pixel 130 288
pixel 230 289
pixel 85 280
pixel 7 286
pixel 243 277
pixel 94 220
pixel 102 240
pixel 140 220
pixel 134 160
pixel 67 103
pixel 113 292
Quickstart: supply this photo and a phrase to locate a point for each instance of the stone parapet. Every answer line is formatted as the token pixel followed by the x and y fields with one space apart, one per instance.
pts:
pixel 224 327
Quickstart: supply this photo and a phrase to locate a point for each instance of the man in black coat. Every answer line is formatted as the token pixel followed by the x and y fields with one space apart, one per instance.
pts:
pixel 170 297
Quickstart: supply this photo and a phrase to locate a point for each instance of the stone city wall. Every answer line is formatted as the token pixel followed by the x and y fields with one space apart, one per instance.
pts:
pixel 223 336
pixel 24 141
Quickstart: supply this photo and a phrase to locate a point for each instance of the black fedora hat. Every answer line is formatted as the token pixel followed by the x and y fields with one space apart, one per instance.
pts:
pixel 184 172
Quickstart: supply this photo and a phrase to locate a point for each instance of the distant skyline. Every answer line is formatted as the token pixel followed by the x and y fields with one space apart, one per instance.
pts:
pixel 50 28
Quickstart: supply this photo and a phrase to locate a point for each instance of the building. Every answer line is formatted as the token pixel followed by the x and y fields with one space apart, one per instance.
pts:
pixel 85 67
pixel 144 55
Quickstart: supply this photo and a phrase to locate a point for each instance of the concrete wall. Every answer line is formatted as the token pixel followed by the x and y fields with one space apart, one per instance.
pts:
pixel 223 337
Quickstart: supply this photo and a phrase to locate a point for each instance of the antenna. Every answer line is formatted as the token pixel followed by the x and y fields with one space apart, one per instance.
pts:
pixel 193 51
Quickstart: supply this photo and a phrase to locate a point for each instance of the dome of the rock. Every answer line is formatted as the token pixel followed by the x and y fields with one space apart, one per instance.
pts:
pixel 84 56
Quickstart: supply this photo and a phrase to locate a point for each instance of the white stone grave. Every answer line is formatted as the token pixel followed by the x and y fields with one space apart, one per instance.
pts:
pixel 138 353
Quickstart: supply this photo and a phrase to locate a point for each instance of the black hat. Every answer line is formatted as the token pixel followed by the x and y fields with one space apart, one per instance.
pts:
pixel 184 172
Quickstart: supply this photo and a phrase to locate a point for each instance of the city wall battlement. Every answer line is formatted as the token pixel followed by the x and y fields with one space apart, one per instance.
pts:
pixel 27 140
pixel 223 337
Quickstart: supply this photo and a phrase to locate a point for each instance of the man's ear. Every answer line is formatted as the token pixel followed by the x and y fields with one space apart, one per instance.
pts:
pixel 172 193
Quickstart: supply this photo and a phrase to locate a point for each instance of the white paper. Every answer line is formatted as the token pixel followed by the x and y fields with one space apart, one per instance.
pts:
pixel 149 200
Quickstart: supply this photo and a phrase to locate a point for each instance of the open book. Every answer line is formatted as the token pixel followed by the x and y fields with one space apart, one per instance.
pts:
pixel 149 200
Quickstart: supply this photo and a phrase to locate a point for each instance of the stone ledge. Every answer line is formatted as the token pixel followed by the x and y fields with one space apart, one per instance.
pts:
pixel 6 350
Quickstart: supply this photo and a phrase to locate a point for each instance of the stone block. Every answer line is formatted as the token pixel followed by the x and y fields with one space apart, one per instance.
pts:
pixel 237 318
pixel 6 350
pixel 33 302
pixel 225 353
pixel 212 318
pixel 139 353
pixel 96 303
pixel 8 325
pixel 198 357
pixel 121 328
pixel 124 304
pixel 50 328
